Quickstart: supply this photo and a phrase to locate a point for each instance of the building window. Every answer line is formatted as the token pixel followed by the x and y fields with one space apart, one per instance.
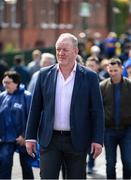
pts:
pixel 54 14
pixel 49 14
pixel 2 14
pixel 9 14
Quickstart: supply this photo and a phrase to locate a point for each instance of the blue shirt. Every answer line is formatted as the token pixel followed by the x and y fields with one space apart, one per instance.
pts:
pixel 117 102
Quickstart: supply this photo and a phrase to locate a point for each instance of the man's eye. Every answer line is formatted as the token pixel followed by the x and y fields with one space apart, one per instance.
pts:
pixel 66 50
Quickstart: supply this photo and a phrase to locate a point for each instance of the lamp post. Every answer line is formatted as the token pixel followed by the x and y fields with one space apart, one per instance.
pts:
pixel 56 9
pixel 129 6
pixel 84 13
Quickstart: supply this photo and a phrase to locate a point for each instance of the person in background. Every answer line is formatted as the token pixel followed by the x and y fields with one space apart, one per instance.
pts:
pixel 66 114
pixel 96 52
pixel 80 60
pixel 110 45
pixel 34 65
pixel 116 92
pixel 103 68
pixel 125 52
pixel 129 71
pixel 88 44
pixel 3 67
pixel 47 59
pixel 93 63
pixel 126 64
pixel 14 108
pixel 127 68
pixel 21 69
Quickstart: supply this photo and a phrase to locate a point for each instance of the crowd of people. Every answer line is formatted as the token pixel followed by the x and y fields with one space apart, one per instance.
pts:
pixel 71 105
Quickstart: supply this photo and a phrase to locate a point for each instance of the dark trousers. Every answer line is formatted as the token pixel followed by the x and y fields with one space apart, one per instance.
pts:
pixel 6 161
pixel 91 161
pixel 59 151
pixel 113 138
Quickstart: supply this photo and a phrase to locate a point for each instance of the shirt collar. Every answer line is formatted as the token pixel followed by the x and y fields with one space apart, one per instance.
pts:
pixel 74 68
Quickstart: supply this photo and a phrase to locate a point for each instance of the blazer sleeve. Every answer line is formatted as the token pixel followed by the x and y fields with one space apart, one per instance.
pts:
pixel 35 111
pixel 96 110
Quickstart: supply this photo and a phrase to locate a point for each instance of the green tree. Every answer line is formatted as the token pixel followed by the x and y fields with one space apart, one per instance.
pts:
pixel 121 16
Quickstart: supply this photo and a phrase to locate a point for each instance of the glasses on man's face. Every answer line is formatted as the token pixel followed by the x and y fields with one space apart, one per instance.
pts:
pixel 7 82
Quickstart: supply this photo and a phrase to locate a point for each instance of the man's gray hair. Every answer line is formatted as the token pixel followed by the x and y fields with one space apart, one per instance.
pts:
pixel 69 36
pixel 49 56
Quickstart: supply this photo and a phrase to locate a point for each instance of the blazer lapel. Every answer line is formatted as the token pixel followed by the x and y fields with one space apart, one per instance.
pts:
pixel 77 83
pixel 52 82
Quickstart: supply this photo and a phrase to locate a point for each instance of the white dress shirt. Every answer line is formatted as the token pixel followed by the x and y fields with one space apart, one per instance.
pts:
pixel 64 89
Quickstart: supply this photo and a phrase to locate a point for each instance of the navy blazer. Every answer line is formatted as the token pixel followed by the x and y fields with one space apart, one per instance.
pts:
pixel 86 112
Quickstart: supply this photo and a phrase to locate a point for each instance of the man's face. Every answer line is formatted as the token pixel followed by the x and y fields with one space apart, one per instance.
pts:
pixel 65 52
pixel 93 65
pixel 115 72
pixel 36 57
pixel 129 71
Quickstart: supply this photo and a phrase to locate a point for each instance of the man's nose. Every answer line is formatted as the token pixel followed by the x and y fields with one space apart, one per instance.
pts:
pixel 61 51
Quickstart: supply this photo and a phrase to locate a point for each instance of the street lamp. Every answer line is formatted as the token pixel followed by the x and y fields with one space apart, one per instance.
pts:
pixel 57 23
pixel 84 13
pixel 129 6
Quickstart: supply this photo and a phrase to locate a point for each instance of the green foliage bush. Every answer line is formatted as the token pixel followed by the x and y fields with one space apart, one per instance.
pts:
pixel 122 17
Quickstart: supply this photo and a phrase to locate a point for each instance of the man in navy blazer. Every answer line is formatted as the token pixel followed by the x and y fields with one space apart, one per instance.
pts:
pixel 66 115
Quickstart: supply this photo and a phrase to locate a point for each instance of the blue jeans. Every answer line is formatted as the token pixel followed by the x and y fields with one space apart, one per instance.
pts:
pixel 6 160
pixel 113 138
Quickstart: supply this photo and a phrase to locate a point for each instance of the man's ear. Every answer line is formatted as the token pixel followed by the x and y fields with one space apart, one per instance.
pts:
pixel 108 69
pixel 76 50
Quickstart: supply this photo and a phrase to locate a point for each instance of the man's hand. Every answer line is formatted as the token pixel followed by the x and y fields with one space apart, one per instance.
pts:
pixel 96 150
pixel 20 140
pixel 31 148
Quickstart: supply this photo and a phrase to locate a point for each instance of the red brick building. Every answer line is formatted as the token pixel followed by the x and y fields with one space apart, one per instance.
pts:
pixel 26 24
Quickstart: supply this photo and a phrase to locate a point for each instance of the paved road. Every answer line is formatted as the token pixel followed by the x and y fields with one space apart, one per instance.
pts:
pixel 16 172
pixel 99 168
